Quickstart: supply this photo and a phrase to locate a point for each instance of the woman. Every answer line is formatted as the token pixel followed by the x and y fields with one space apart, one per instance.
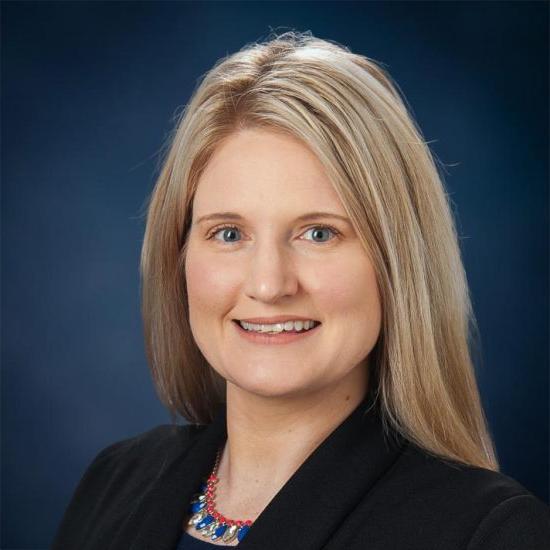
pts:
pixel 307 312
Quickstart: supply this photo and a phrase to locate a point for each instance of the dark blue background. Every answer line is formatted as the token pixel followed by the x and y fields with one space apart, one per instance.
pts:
pixel 89 92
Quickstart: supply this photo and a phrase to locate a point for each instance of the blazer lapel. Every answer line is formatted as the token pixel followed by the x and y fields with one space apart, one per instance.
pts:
pixel 307 510
pixel 164 510
pixel 315 501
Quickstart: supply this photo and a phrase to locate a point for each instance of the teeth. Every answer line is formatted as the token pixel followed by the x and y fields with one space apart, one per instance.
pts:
pixel 279 327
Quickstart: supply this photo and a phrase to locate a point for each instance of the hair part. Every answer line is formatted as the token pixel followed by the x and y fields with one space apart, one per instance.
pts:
pixel 351 114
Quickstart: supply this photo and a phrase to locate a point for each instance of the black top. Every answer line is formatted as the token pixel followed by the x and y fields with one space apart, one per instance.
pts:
pixel 187 542
pixel 361 488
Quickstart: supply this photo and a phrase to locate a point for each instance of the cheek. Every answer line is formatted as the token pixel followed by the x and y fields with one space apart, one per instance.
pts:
pixel 209 286
pixel 348 288
pixel 348 293
pixel 349 296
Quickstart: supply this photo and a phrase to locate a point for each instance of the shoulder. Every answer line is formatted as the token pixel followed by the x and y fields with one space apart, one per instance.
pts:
pixel 520 521
pixel 146 449
pixel 469 484
pixel 121 473
pixel 488 508
pixel 124 467
pixel 162 437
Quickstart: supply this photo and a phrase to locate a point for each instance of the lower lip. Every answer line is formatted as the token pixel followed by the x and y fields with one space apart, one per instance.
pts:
pixel 281 338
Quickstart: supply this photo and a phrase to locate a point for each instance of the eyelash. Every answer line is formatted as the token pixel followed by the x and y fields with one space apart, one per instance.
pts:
pixel 217 229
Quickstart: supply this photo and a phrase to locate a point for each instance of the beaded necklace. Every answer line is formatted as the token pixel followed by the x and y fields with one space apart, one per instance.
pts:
pixel 207 520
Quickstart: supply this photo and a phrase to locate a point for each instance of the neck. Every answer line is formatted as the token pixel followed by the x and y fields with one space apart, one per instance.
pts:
pixel 268 438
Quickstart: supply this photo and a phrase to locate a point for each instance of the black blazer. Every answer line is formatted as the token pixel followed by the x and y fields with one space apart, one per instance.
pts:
pixel 359 490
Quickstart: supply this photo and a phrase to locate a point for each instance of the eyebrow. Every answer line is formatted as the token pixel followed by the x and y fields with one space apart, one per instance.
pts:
pixel 303 217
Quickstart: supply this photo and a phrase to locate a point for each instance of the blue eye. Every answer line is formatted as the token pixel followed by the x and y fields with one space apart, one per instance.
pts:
pixel 320 228
pixel 215 232
pixel 317 229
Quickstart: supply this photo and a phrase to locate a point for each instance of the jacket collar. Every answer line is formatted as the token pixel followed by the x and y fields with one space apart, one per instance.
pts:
pixel 317 498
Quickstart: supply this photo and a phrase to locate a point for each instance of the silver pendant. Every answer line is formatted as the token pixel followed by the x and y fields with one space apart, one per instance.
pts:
pixel 230 533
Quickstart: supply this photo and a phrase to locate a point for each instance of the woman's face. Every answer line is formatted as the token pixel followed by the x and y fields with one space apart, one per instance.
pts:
pixel 268 262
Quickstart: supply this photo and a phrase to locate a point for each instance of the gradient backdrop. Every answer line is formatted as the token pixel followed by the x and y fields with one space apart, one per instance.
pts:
pixel 89 92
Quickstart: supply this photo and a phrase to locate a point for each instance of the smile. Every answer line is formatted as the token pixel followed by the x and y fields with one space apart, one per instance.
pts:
pixel 280 337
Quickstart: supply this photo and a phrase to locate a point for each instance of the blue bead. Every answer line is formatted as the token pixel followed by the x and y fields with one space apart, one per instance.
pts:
pixel 242 532
pixel 206 521
pixel 219 531
pixel 196 506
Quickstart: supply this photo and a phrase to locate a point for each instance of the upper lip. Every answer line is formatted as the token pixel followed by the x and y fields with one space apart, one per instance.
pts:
pixel 276 319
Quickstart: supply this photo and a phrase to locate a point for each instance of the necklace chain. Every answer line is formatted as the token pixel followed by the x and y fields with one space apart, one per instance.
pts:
pixel 207 520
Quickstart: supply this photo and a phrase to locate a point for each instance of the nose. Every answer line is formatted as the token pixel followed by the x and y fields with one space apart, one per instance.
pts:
pixel 271 274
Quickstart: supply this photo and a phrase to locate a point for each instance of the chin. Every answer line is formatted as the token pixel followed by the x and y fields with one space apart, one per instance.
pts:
pixel 269 385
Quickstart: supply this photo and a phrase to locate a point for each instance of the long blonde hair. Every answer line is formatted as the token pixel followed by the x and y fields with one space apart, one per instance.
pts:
pixel 351 114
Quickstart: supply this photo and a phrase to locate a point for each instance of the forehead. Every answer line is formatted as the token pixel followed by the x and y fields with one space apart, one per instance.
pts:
pixel 261 168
